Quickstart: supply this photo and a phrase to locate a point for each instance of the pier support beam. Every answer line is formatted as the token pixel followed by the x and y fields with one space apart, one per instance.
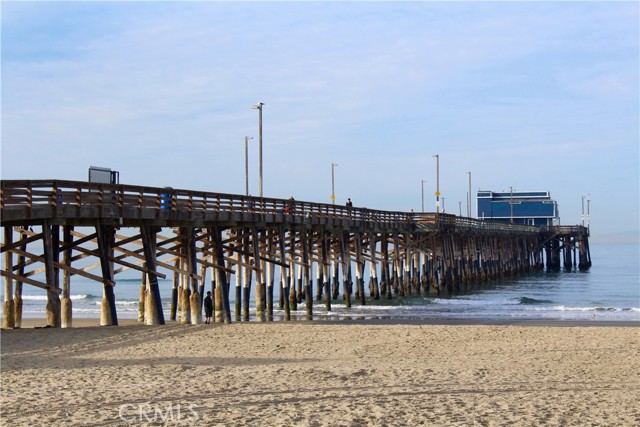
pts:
pixel 195 299
pixel 260 278
pixel 221 276
pixel 51 240
pixel 66 304
pixel 8 308
pixel 284 276
pixel 17 297
pixel 153 302
pixel 106 237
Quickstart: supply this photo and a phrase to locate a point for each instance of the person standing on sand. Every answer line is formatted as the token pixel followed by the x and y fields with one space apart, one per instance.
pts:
pixel 208 308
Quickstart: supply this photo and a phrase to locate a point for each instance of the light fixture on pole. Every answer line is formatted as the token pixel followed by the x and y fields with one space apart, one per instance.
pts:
pixel 258 107
pixel 333 193
pixel 437 156
pixel 246 163
pixel 422 195
pixel 582 216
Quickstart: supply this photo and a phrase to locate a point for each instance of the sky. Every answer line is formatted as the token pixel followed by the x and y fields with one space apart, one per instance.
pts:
pixel 524 95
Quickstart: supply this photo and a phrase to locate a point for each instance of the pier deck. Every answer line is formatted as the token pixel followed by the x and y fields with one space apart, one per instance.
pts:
pixel 49 226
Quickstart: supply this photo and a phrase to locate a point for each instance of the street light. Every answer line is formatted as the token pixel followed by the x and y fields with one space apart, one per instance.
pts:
pixel 437 156
pixel 258 107
pixel 246 163
pixel 582 216
pixel 422 196
pixel 333 193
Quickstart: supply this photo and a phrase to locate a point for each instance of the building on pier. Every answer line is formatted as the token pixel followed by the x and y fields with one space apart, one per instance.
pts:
pixel 535 208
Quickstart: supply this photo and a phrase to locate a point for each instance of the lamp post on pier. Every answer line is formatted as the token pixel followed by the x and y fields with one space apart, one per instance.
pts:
pixel 469 205
pixel 258 107
pixel 588 211
pixel 511 205
pixel 422 196
pixel 437 156
pixel 246 164
pixel 333 193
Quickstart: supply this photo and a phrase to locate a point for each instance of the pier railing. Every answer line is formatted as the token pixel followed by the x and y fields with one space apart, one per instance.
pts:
pixel 40 199
pixel 31 200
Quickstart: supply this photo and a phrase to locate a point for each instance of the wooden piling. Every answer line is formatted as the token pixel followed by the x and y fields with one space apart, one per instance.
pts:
pixel 360 263
pixel 142 296
pixel 17 297
pixel 221 276
pixel 51 274
pixel 8 309
pixel 374 289
pixel 270 267
pixel 195 299
pixel 175 291
pixel 66 307
pixel 284 275
pixel 260 278
pixel 346 263
pixel 307 248
pixel 153 313
pixel 247 274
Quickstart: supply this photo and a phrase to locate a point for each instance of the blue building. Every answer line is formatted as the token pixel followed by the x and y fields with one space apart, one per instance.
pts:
pixel 520 207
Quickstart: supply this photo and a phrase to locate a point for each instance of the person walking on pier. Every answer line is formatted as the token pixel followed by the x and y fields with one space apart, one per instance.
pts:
pixel 291 204
pixel 208 308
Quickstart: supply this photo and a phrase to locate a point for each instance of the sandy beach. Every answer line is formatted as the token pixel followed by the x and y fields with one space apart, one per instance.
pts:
pixel 321 374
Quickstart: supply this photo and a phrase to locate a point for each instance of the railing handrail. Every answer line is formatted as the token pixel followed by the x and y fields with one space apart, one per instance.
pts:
pixel 32 193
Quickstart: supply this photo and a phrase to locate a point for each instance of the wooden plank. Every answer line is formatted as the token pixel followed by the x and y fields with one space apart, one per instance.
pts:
pixel 158 263
pixel 32 282
pixel 8 246
pixel 64 267
pixel 124 263
pixel 216 266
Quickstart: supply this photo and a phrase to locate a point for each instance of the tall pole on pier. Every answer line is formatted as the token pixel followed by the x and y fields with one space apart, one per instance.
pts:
pixel 511 205
pixel 246 164
pixel 422 196
pixel 258 107
pixel 588 210
pixel 437 156
pixel 469 206
pixel 333 193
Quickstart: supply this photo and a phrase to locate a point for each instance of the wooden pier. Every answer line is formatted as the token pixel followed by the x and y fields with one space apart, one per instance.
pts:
pixel 55 229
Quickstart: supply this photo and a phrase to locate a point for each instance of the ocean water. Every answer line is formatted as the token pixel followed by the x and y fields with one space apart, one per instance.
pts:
pixel 609 291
